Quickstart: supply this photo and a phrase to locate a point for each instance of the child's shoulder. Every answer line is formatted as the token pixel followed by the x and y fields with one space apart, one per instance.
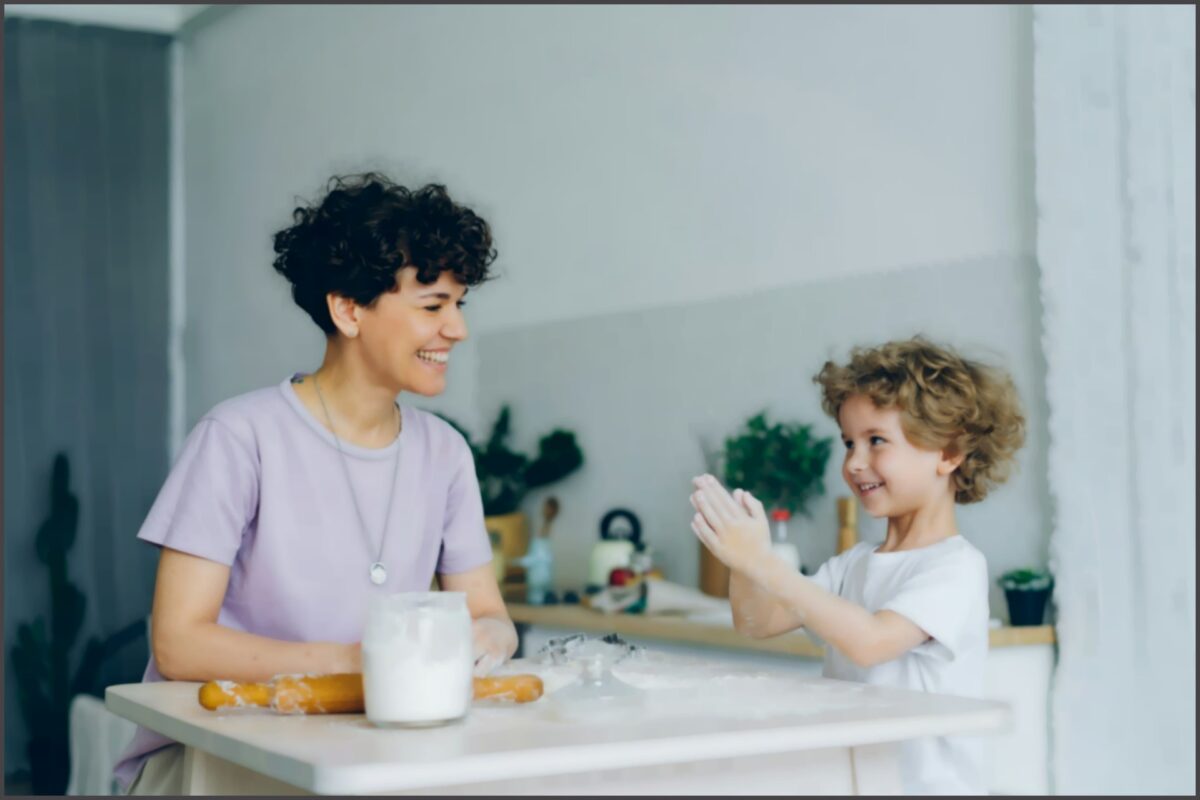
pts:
pixel 954 559
pixel 957 548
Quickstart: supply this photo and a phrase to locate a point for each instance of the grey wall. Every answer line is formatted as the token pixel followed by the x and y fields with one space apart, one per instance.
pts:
pixel 639 387
pixel 656 177
pixel 629 157
pixel 672 188
pixel 85 319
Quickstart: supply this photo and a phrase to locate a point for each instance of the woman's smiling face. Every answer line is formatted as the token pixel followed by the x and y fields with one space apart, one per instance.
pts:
pixel 885 470
pixel 407 334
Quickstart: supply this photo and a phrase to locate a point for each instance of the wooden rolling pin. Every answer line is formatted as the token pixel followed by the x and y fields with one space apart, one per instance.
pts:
pixel 341 693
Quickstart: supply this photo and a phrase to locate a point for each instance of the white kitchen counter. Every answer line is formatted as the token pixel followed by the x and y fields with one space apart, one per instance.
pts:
pixel 1019 669
pixel 703 727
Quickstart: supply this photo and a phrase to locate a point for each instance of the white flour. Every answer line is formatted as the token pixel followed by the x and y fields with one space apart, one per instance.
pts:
pixel 417 664
pixel 401 688
pixel 678 686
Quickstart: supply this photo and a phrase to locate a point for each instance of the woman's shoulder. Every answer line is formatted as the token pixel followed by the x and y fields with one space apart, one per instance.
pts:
pixel 435 433
pixel 248 407
pixel 245 414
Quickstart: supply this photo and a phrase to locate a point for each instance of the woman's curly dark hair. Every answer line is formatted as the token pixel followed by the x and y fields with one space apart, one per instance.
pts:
pixel 945 402
pixel 367 228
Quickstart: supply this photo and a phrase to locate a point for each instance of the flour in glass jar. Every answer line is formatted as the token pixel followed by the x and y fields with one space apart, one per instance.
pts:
pixel 417 659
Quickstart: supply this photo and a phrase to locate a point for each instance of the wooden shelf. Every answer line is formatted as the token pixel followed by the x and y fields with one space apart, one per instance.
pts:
pixel 677 629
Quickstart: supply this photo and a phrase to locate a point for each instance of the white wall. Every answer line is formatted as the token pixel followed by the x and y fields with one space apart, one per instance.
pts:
pixel 628 157
pixel 1116 191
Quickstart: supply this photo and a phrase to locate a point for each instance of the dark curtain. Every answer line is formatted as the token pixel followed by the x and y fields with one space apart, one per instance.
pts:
pixel 85 321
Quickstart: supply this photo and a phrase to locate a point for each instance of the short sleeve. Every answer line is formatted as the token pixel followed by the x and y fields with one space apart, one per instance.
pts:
pixel 210 496
pixel 942 599
pixel 465 543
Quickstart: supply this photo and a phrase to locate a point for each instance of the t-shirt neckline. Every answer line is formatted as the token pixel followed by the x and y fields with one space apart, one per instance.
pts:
pixel 350 449
pixel 875 548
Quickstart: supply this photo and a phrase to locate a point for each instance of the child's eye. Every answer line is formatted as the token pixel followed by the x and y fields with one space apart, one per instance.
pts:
pixel 877 440
pixel 462 303
pixel 849 444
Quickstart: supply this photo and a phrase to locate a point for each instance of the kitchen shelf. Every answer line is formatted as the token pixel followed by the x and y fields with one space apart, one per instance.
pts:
pixel 678 629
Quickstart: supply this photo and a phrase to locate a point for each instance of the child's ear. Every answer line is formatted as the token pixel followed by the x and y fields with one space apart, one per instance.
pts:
pixel 949 461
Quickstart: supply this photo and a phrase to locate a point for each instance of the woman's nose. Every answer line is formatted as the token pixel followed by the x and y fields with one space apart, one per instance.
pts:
pixel 455 328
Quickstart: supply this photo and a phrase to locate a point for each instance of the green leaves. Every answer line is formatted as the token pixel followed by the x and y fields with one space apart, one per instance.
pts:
pixel 56 535
pixel 42 660
pixel 506 476
pixel 558 456
pixel 1025 579
pixel 782 464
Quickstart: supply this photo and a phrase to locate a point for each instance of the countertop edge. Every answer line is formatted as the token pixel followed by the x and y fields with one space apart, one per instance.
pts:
pixel 678 629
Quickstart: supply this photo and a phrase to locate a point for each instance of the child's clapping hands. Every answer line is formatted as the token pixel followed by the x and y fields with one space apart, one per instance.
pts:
pixel 733 527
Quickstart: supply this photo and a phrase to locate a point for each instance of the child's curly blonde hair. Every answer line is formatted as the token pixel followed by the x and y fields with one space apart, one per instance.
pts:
pixel 946 403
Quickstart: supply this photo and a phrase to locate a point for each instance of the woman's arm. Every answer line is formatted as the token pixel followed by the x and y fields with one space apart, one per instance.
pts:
pixel 189 645
pixel 494 633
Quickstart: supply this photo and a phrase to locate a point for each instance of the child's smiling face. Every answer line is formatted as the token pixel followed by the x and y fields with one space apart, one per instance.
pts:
pixel 889 474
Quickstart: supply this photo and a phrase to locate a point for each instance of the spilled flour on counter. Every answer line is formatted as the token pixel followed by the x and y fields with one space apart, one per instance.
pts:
pixel 675 686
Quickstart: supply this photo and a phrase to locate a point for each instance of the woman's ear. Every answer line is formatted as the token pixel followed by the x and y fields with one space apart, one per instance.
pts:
pixel 345 314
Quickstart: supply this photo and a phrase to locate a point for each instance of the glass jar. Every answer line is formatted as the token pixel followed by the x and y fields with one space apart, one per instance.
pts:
pixel 417 659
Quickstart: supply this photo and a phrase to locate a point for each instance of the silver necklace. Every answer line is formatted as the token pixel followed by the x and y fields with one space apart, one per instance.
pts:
pixel 378 572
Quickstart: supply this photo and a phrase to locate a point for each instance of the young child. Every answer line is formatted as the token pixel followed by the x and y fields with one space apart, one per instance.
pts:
pixel 923 429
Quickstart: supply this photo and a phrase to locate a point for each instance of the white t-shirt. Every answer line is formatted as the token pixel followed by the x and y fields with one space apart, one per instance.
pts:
pixel 943 589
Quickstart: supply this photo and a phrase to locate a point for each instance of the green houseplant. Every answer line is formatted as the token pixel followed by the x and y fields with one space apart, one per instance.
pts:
pixel 41 657
pixel 782 464
pixel 1026 591
pixel 506 476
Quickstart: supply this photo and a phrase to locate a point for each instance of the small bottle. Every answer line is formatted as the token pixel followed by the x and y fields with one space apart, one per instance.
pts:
pixel 847 524
pixel 779 538
pixel 539 569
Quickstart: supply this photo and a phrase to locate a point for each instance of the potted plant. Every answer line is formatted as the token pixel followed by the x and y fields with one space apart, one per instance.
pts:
pixel 1026 591
pixel 782 464
pixel 507 476
pixel 47 673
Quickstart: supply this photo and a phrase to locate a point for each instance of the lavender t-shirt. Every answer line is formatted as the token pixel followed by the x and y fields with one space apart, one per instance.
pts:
pixel 260 487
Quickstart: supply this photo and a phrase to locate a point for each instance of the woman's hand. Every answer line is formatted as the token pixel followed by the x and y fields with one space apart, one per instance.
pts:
pixel 734 528
pixel 495 637
pixel 495 640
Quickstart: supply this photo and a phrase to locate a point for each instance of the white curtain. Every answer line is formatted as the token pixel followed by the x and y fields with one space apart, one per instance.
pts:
pixel 1114 109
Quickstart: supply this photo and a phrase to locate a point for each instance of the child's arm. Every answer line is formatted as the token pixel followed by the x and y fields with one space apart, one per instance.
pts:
pixel 737 534
pixel 756 612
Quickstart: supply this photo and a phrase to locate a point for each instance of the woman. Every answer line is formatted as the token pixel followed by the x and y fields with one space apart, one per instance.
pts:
pixel 289 506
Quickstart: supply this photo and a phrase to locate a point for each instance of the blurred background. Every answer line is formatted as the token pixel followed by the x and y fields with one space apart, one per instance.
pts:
pixel 694 208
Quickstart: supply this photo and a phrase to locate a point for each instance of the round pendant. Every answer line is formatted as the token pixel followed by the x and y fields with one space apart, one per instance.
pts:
pixel 378 573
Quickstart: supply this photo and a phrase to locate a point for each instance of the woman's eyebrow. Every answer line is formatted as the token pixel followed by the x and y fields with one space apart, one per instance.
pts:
pixel 439 295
